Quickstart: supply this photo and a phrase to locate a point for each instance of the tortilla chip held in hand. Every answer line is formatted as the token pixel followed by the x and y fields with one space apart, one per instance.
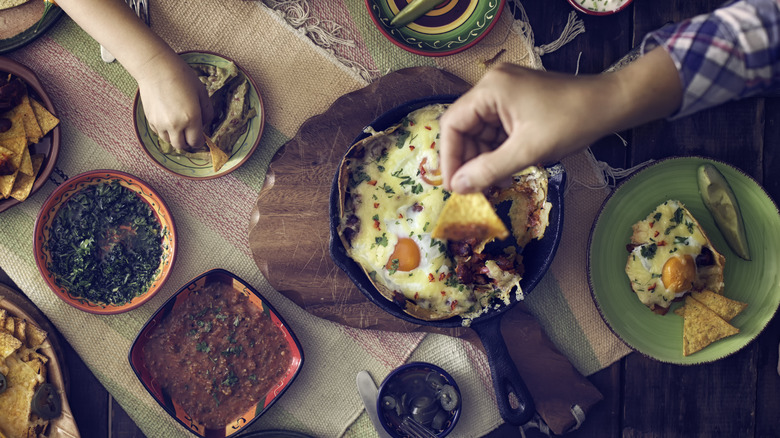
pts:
pixel 469 216
pixel 218 156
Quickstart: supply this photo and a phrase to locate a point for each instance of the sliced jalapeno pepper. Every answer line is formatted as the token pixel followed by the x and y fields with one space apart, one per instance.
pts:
pixel 46 402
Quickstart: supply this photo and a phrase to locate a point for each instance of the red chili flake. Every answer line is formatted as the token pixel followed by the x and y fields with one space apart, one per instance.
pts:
pixel 652 287
pixel 428 128
pixel 433 145
pixel 443 293
pixel 651 224
pixel 376 205
pixel 372 182
pixel 400 215
pixel 656 234
pixel 376 224
pixel 411 147
pixel 442 276
pixel 662 243
pixel 416 295
pixel 411 123
pixel 454 303
pixel 431 278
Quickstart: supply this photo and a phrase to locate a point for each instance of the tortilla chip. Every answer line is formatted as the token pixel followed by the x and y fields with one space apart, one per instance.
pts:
pixel 29 121
pixel 702 327
pixel 46 120
pixel 469 216
pixel 20 325
pixel 725 308
pixel 35 336
pixel 218 156
pixel 16 401
pixel 24 183
pixel 10 324
pixel 16 130
pixel 16 143
pixel 7 184
pixel 8 344
pixel 25 166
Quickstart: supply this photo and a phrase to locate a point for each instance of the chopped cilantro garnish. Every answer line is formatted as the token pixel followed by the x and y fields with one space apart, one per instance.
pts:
pixel 393 266
pixel 648 251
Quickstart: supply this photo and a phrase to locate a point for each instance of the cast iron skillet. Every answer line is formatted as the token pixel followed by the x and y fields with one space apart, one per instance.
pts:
pixel 537 257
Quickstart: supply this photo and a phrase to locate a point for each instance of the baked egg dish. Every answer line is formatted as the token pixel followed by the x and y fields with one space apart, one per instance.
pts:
pixel 390 198
pixel 670 256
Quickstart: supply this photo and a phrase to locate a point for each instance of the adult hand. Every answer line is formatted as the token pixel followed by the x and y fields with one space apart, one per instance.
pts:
pixel 176 103
pixel 516 117
pixel 513 118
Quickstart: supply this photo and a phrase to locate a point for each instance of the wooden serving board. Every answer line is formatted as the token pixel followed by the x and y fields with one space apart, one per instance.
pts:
pixel 20 306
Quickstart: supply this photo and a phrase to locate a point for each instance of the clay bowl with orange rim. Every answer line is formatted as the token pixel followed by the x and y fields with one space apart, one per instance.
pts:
pixel 199 168
pixel 159 212
pixel 240 353
pixel 49 144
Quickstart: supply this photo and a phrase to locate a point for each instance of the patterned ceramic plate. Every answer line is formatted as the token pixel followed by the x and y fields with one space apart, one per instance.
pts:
pixel 754 282
pixel 242 419
pixel 61 195
pixel 452 26
pixel 197 168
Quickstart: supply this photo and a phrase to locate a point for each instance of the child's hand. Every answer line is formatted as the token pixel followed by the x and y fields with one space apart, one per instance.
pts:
pixel 175 103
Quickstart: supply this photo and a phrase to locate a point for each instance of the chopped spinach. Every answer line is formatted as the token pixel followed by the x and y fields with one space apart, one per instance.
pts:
pixel 105 244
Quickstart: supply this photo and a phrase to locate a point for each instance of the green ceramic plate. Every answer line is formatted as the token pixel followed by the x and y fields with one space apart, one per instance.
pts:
pixel 452 26
pixel 754 282
pixel 194 168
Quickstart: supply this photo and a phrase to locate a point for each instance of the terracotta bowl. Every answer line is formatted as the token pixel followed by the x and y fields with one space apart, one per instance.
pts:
pixel 61 195
pixel 155 326
pixel 198 169
pixel 49 145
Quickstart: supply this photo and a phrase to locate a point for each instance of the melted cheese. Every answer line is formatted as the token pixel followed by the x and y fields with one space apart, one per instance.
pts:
pixel 668 232
pixel 397 202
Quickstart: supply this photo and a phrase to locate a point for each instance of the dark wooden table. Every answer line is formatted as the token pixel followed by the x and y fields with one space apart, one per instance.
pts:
pixel 738 396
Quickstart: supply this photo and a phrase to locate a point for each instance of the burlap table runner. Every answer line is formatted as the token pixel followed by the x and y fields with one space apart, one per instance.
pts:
pixel 298 80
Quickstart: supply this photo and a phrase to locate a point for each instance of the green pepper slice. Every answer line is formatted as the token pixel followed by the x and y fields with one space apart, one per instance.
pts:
pixel 414 10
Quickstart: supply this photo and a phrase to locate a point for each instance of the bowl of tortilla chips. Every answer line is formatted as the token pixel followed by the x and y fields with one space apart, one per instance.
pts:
pixel 29 134
pixel 233 134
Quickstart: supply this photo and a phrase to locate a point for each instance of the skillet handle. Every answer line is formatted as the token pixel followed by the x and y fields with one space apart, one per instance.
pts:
pixel 507 382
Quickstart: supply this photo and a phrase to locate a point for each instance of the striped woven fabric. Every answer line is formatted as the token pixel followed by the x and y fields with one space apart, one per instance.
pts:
pixel 303 56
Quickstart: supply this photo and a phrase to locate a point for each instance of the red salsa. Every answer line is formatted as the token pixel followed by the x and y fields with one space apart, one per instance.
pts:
pixel 217 355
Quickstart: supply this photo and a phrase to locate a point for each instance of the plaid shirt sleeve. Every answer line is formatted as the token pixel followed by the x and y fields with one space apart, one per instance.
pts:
pixel 731 53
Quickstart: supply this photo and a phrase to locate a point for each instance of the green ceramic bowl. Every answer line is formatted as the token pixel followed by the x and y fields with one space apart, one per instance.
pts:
pixel 195 168
pixel 450 27
pixel 754 282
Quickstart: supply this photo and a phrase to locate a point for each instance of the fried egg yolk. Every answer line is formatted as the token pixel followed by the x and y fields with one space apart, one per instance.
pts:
pixel 678 274
pixel 405 256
